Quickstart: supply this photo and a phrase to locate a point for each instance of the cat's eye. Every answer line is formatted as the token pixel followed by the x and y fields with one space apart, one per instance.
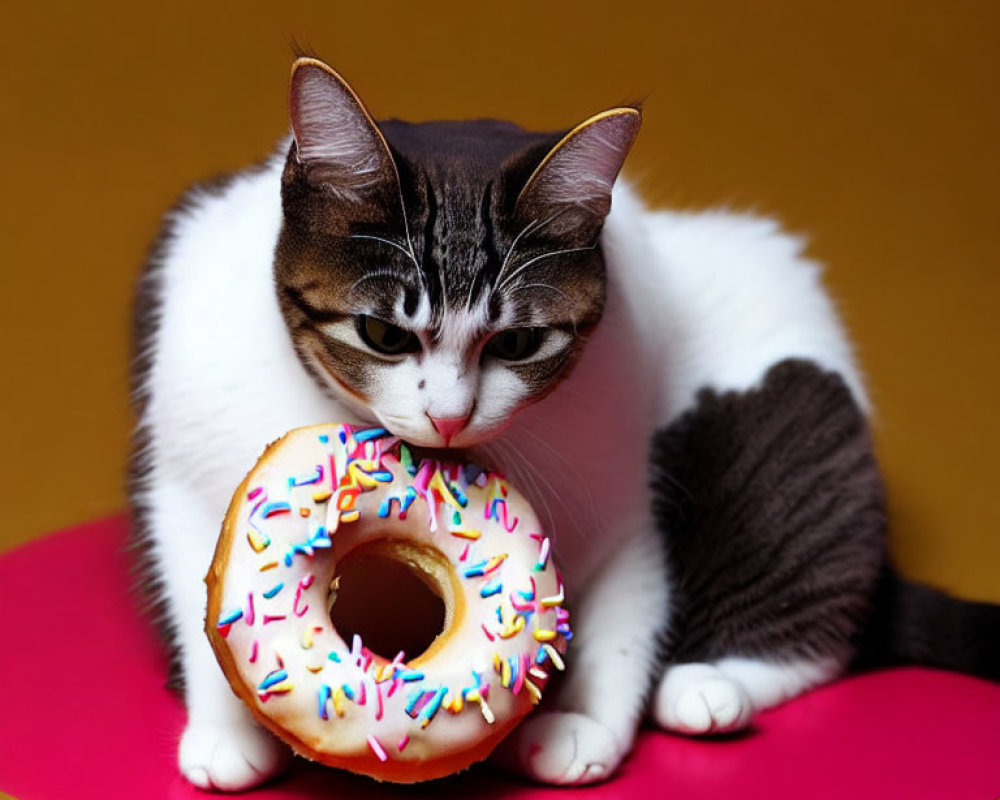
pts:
pixel 384 337
pixel 516 344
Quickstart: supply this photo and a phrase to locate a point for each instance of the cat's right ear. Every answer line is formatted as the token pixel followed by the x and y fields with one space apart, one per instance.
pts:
pixel 338 146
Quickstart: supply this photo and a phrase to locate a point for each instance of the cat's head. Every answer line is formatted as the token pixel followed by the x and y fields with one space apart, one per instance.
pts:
pixel 439 277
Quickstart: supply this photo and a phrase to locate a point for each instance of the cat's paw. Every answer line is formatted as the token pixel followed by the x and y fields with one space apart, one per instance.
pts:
pixel 230 757
pixel 562 748
pixel 698 699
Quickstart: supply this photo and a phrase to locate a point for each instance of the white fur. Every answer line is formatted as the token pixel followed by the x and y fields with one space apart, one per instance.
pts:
pixel 699 698
pixel 693 301
pixel 723 696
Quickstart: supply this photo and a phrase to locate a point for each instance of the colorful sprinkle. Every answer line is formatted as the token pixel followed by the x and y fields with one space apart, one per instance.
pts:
pixel 231 617
pixel 313 477
pixel 463 501
pixel 403 742
pixel 456 704
pixel 485 567
pixel 416 702
pixel 440 487
pixel 406 459
pixel 304 584
pixel 519 664
pixel 258 541
pixel 338 701
pixel 543 556
pixel 491 588
pixel 376 747
pixel 324 698
pixel 274 590
pixel 280 507
pixel 366 434
pixel 432 706
pixel 273 678
pixel 553 654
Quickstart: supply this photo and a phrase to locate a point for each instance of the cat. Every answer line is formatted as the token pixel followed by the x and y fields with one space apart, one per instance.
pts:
pixel 673 391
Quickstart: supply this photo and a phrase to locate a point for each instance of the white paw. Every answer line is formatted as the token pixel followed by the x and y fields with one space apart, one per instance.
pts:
pixel 562 748
pixel 699 699
pixel 230 757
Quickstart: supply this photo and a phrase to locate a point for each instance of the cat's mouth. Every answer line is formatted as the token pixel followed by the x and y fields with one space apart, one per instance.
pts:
pixel 427 448
pixel 471 455
pixel 471 439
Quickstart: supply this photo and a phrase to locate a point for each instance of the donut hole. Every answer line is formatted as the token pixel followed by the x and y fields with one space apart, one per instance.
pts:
pixel 390 598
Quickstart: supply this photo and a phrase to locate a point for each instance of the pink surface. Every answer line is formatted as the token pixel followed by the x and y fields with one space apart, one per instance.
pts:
pixel 83 714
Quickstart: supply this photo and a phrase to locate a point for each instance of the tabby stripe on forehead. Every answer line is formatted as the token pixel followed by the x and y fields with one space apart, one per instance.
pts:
pixel 488 246
pixel 429 265
pixel 297 298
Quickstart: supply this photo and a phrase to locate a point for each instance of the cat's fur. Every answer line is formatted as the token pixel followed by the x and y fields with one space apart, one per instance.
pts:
pixel 699 349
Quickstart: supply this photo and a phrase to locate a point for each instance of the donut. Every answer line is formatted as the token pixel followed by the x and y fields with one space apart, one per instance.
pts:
pixel 324 497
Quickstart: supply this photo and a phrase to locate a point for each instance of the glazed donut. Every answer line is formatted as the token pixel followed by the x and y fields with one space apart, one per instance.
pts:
pixel 325 494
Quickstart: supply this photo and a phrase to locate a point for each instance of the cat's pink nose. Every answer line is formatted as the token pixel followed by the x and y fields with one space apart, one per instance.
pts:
pixel 448 427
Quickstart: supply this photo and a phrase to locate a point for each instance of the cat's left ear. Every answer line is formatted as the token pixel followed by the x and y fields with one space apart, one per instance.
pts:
pixel 572 186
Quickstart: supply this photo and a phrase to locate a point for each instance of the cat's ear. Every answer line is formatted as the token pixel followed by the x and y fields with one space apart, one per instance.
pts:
pixel 337 143
pixel 572 185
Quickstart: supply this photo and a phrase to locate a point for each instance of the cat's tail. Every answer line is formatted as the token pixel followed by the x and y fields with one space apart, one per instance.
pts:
pixel 914 624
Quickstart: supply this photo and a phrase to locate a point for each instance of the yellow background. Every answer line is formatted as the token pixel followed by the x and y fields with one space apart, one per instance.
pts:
pixel 872 127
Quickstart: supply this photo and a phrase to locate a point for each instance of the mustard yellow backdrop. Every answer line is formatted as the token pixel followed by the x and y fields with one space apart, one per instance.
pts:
pixel 872 127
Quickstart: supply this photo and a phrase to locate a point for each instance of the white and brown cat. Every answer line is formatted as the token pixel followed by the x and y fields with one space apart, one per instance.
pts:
pixel 674 391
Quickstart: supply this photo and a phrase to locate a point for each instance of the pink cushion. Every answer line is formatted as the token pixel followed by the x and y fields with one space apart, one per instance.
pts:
pixel 83 713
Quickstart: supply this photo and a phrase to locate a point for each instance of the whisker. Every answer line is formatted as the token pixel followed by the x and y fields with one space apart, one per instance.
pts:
pixel 380 273
pixel 524 286
pixel 513 245
pixel 407 251
pixel 570 467
pixel 397 245
pixel 530 227
pixel 531 261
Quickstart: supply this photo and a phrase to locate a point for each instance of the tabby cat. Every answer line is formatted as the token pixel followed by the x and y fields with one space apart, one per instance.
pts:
pixel 674 392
